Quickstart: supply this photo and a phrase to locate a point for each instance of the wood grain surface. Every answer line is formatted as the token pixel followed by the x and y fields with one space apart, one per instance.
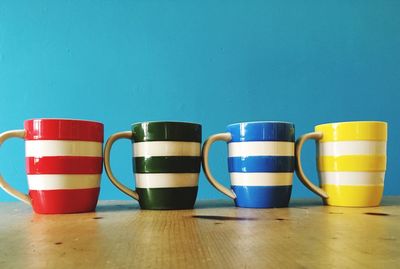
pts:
pixel 214 235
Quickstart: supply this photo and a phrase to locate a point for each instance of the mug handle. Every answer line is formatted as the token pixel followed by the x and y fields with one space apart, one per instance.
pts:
pixel 206 148
pixel 299 168
pixel 3 184
pixel 107 166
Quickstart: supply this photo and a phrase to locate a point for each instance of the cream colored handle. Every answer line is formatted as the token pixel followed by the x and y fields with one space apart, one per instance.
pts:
pixel 3 184
pixel 299 168
pixel 206 148
pixel 107 149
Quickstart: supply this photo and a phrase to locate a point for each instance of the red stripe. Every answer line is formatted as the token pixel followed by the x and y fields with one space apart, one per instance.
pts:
pixel 64 201
pixel 61 129
pixel 64 165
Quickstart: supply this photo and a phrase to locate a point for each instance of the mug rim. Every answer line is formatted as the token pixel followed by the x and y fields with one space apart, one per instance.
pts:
pixel 166 121
pixel 64 119
pixel 350 122
pixel 261 122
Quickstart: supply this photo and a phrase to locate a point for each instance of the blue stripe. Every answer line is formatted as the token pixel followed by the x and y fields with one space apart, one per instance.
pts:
pixel 261 164
pixel 262 197
pixel 261 131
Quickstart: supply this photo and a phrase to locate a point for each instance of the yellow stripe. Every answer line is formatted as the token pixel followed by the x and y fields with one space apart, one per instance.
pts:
pixel 356 196
pixel 357 130
pixel 366 163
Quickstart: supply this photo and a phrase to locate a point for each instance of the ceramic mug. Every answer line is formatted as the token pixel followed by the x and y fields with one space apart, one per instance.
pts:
pixel 260 163
pixel 351 161
pixel 63 164
pixel 166 161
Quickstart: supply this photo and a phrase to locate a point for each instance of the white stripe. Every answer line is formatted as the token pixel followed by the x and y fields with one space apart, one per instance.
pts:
pixel 63 182
pixel 339 148
pixel 40 148
pixel 261 148
pixel 166 180
pixel 166 148
pixel 352 178
pixel 261 179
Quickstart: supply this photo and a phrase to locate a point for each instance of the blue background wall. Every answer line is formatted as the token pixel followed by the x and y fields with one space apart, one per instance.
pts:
pixel 213 62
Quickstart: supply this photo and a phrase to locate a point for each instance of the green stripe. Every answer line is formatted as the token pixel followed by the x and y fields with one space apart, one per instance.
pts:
pixel 167 164
pixel 166 131
pixel 167 198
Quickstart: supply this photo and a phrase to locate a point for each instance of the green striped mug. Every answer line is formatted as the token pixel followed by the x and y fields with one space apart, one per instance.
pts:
pixel 166 163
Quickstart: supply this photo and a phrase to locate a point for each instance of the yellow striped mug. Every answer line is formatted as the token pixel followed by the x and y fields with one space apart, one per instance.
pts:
pixel 351 162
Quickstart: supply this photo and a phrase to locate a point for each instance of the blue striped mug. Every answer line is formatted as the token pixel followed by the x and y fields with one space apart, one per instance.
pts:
pixel 260 162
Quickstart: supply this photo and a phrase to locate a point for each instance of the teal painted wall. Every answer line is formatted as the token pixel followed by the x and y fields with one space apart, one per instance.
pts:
pixel 212 62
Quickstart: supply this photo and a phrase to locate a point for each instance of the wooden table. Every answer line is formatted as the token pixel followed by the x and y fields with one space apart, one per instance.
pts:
pixel 214 235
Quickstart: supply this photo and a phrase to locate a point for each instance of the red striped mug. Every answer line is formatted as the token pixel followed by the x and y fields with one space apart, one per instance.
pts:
pixel 63 164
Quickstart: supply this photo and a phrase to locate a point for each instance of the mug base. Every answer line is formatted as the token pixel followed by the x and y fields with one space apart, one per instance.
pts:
pixel 64 201
pixel 353 196
pixel 167 198
pixel 261 206
pixel 354 206
pixel 262 196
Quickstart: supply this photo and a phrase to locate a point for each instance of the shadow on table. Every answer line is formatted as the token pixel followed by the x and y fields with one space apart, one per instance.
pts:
pixel 222 218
